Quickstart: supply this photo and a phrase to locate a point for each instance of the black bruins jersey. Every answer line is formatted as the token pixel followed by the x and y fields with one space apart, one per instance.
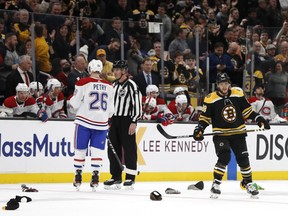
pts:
pixel 226 113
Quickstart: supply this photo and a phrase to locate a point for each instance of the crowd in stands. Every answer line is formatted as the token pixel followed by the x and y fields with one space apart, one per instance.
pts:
pixel 241 38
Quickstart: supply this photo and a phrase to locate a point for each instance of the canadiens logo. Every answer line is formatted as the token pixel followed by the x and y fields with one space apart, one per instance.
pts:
pixel 229 113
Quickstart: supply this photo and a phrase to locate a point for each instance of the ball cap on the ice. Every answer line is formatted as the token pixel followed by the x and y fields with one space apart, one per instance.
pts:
pixel 155 196
pixel 12 204
pixel 198 186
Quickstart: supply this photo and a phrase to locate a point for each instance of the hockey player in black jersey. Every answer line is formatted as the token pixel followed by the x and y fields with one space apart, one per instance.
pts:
pixel 226 109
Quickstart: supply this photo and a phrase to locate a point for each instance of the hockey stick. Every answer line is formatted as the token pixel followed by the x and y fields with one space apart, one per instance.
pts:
pixel 168 136
pixel 123 167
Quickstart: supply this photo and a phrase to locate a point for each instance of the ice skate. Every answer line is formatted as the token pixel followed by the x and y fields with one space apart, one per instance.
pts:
pixel 128 184
pixel 112 184
pixel 94 180
pixel 78 179
pixel 252 190
pixel 215 191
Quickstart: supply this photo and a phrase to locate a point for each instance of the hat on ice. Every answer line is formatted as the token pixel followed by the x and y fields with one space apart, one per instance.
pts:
pixel 12 204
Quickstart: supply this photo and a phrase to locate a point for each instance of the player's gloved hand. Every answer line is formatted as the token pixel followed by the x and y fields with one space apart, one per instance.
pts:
pixel 165 119
pixel 42 115
pixel 198 133
pixel 262 122
pixel 3 114
pixel 179 118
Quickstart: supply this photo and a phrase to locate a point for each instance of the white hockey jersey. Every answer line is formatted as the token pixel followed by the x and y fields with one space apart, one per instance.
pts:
pixel 28 106
pixel 94 101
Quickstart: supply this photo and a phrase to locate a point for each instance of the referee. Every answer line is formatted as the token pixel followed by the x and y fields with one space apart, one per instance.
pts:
pixel 128 109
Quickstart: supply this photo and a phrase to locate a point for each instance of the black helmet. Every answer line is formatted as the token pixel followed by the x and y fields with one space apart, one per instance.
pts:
pixel 120 64
pixel 222 77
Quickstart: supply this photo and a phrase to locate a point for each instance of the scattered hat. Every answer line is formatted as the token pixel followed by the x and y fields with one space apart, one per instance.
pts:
pixel 84 51
pixel 270 46
pixel 198 186
pixel 28 189
pixel 23 199
pixel 172 191
pixel 12 204
pixel 101 52
pixel 155 196
pixel 151 52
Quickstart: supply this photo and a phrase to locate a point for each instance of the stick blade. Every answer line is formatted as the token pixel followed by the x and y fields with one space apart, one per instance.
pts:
pixel 162 131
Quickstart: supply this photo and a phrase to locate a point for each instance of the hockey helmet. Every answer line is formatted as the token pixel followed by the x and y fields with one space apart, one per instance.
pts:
pixel 181 99
pixel 33 86
pixel 222 77
pixel 120 64
pixel 151 88
pixel 53 83
pixel 95 66
pixel 178 90
pixel 22 87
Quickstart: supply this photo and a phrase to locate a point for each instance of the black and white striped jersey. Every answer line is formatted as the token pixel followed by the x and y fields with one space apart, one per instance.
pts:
pixel 127 100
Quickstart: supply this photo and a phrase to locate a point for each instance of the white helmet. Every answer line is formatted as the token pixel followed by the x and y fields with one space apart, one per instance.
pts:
pixel 22 87
pixel 53 83
pixel 151 88
pixel 33 86
pixel 178 89
pixel 150 102
pixel 95 66
pixel 180 99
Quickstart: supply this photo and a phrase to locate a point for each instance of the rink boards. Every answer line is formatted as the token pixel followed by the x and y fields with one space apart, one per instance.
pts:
pixel 32 151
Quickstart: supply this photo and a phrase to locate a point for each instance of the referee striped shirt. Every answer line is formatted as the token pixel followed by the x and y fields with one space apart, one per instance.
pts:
pixel 127 100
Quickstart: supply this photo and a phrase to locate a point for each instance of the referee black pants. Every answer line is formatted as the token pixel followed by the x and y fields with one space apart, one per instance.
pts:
pixel 125 147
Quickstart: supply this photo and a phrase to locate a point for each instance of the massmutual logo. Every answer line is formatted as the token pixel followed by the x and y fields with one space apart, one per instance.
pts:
pixel 37 145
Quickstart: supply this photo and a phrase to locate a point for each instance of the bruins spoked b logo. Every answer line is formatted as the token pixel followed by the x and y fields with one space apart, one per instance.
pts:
pixel 229 113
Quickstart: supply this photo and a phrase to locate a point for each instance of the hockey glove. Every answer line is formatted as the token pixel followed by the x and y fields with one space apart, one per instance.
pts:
pixel 42 115
pixel 198 133
pixel 262 122
pixel 165 119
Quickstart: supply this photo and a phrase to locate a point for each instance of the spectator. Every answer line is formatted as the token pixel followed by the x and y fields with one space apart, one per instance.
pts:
pixel 62 76
pixel 116 32
pixel 106 73
pixel 22 28
pixel 91 34
pixel 178 73
pixel 120 9
pixel 146 77
pixel 78 72
pixel 222 15
pixel 134 57
pixel 41 50
pixel 21 75
pixel 166 20
pixel 238 62
pixel 111 50
pixel 218 63
pixel 62 45
pixel 138 23
pixel 179 44
pixel 277 83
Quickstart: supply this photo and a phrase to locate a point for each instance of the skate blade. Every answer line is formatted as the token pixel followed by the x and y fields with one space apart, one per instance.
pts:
pixel 128 187
pixel 214 196
pixel 77 186
pixel 112 187
pixel 254 196
pixel 94 187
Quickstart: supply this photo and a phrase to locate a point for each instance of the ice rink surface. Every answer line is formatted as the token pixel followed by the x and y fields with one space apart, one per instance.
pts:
pixel 64 200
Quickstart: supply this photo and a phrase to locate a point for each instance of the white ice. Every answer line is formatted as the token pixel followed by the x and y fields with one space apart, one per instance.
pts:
pixel 64 200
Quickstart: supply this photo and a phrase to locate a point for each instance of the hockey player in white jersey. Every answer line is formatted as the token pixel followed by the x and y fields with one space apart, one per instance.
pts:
pixel 93 100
